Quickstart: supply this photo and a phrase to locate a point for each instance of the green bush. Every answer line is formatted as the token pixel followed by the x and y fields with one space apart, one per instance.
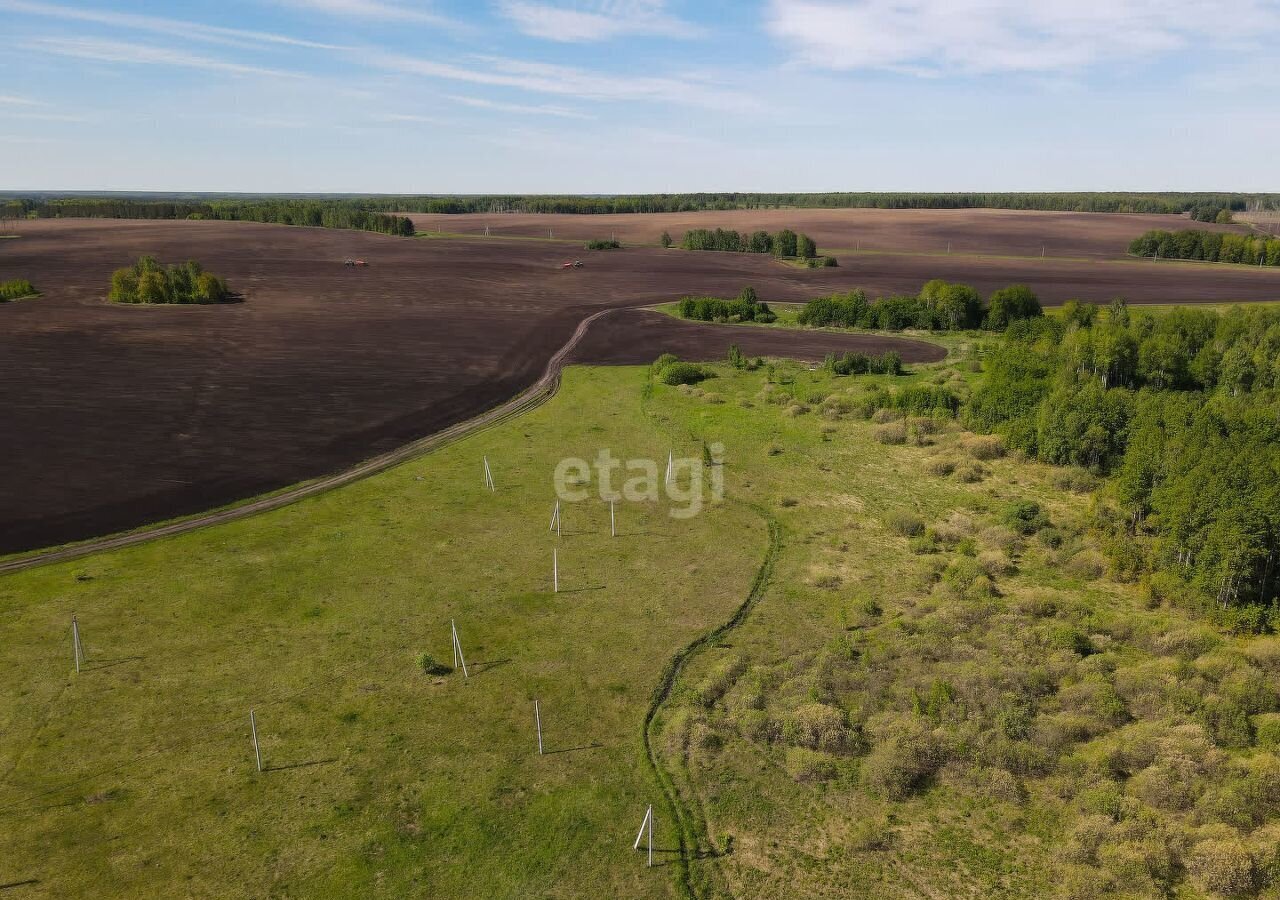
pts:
pixel 604 245
pixel 1266 729
pixel 904 523
pixel 683 373
pixel 16 289
pixel 1025 517
pixel 430 666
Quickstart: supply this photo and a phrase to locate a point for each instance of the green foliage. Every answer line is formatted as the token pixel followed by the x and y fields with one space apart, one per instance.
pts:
pixel 148 282
pixel 785 243
pixel 746 307
pixel 854 363
pixel 1212 246
pixel 1010 304
pixel 682 373
pixel 16 289
pixel 1025 517
pixel 430 666
pixel 665 240
pixel 940 306
pixel 600 244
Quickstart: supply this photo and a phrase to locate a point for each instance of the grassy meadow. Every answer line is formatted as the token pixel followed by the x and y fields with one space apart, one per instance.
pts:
pixel 938 691
pixel 137 778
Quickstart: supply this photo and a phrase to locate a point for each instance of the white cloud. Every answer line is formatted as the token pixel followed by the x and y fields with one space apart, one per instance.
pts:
pixel 379 10
pixel 10 100
pixel 127 52
pixel 155 24
pixel 987 36
pixel 595 20
pixel 545 78
pixel 520 108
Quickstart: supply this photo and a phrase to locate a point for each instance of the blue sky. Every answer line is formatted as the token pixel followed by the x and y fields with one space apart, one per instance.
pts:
pixel 602 96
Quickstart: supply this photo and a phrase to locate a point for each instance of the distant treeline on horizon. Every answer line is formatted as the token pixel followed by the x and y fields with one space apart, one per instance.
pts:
pixel 313 210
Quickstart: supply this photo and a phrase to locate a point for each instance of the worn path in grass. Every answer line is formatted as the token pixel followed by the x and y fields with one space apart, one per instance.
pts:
pixel 380 781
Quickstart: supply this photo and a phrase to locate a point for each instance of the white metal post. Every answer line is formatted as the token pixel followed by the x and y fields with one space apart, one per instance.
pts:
pixel 253 727
pixel 537 718
pixel 76 647
pixel 613 522
pixel 555 572
pixel 457 651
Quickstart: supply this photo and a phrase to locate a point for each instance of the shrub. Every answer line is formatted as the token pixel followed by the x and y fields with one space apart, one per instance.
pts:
pixel 746 307
pixel 892 433
pixel 1221 866
pixel 430 666
pixel 904 523
pixel 940 465
pixel 604 245
pixel 984 447
pixel 16 289
pixel 817 726
pixel 809 765
pixel 1024 516
pixel 903 761
pixel 683 373
pixel 970 473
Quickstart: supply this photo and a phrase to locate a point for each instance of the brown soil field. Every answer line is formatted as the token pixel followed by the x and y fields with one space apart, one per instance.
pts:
pixel 628 336
pixel 998 232
pixel 118 416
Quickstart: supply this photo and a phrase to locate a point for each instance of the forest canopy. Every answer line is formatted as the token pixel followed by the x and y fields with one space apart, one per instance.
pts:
pixel 1183 408
pixel 1246 249
pixel 146 281
pixel 940 306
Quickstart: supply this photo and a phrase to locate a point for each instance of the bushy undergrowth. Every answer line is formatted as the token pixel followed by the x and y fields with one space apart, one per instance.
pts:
pixel 146 281
pixel 16 289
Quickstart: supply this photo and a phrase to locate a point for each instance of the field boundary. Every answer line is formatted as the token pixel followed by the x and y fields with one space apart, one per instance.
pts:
pixel 691 832
pixel 531 397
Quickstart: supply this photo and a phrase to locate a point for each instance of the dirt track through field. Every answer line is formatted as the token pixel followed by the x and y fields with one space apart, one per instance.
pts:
pixel 116 417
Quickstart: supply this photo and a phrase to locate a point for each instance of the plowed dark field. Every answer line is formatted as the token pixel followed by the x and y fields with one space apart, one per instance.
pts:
pixel 112 417
pixel 985 231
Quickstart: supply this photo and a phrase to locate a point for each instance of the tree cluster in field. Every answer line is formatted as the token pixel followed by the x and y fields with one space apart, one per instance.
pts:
pixel 940 306
pixel 599 244
pixel 1246 249
pixel 1184 409
pixel 746 307
pixel 16 289
pixel 1212 212
pixel 854 363
pixel 783 244
pixel 147 281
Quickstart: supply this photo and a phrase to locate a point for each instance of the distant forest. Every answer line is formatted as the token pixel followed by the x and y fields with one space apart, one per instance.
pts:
pixel 355 212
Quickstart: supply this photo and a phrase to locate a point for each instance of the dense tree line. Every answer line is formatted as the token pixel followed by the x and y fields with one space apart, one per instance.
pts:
pixel 1247 249
pixel 146 281
pixel 310 213
pixel 179 206
pixel 648 203
pixel 746 307
pixel 1184 410
pixel 16 289
pixel 783 244
pixel 940 306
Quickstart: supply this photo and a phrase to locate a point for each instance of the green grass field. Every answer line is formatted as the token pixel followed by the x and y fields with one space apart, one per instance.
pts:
pixel 137 778
pixel 920 700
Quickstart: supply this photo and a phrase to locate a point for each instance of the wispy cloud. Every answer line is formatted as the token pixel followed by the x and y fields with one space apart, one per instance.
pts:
pixel 158 25
pixel 596 20
pixel 520 108
pixel 10 100
pixel 411 118
pixel 41 116
pixel 545 78
pixel 930 37
pixel 380 10
pixel 144 54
